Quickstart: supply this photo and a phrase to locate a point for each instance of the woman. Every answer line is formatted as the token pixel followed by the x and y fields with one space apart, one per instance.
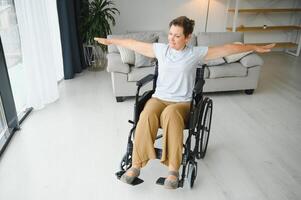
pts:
pixel 169 106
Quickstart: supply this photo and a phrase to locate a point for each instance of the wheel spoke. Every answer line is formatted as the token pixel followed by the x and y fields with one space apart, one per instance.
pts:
pixel 204 124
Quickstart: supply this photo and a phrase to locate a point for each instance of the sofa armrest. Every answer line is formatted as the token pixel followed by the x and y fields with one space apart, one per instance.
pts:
pixel 116 65
pixel 251 60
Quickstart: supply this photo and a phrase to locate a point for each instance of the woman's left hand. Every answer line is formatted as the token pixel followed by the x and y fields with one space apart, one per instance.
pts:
pixel 264 49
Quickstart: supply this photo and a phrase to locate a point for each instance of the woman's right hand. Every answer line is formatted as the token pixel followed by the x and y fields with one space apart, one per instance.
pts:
pixel 103 41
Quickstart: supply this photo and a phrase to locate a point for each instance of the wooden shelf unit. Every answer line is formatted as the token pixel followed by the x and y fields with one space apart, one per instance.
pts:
pixel 266 10
pixel 279 44
pixel 266 29
pixel 291 47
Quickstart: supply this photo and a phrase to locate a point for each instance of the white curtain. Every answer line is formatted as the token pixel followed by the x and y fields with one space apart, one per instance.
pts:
pixel 55 37
pixel 41 49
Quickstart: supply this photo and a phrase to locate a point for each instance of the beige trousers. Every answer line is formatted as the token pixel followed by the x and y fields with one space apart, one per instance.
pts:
pixel 172 117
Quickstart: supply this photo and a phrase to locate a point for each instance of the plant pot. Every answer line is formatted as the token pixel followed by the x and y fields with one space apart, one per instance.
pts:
pixel 94 57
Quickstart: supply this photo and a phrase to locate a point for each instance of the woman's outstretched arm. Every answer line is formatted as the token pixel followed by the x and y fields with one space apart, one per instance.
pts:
pixel 228 49
pixel 143 48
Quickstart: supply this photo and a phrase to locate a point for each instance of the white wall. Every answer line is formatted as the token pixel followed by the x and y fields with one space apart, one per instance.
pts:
pixel 156 15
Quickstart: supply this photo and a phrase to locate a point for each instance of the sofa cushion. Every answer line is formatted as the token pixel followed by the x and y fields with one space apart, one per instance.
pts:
pixel 227 70
pixel 115 64
pixel 127 55
pixel 251 60
pixel 163 38
pixel 138 73
pixel 218 38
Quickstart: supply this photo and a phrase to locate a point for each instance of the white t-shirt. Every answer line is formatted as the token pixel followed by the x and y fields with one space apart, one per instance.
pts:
pixel 176 71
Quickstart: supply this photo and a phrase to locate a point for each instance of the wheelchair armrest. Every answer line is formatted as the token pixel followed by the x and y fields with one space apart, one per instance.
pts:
pixel 145 80
pixel 140 103
pixel 198 86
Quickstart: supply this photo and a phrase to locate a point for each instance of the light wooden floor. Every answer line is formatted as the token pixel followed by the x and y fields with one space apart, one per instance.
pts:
pixel 71 149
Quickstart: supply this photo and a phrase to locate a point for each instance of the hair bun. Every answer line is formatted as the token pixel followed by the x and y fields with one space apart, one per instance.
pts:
pixel 192 22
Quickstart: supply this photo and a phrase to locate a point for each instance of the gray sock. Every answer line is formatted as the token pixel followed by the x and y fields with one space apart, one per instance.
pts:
pixel 172 184
pixel 129 179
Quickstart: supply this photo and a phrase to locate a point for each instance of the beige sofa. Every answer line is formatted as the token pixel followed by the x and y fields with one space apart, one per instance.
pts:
pixel 239 72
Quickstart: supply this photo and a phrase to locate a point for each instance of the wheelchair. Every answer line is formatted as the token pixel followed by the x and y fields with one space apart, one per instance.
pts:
pixel 198 126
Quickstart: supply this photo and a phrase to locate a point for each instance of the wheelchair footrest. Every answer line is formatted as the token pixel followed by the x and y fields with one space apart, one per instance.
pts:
pixel 137 180
pixel 160 181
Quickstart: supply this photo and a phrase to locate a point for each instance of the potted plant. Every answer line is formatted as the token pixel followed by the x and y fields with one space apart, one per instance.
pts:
pixel 97 17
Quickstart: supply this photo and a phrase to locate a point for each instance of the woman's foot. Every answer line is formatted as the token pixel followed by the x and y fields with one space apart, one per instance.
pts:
pixel 172 180
pixel 130 175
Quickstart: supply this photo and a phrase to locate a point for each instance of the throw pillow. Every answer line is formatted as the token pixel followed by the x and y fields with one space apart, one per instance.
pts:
pixel 251 60
pixel 236 57
pixel 137 36
pixel 127 55
pixel 141 60
pixel 215 62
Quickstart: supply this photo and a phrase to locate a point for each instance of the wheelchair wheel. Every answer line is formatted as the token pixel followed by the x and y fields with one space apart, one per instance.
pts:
pixel 192 173
pixel 126 162
pixel 203 127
